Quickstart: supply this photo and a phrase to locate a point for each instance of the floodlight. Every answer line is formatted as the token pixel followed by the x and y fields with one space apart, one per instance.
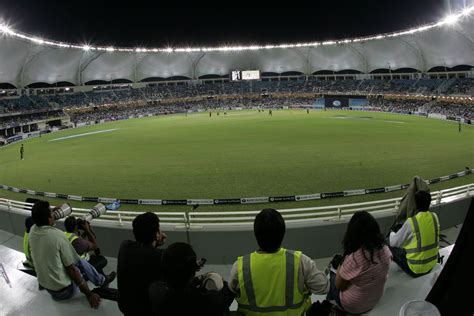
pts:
pixel 5 29
pixel 86 48
pixel 450 19
pixel 467 11
pixel 39 41
pixel 110 49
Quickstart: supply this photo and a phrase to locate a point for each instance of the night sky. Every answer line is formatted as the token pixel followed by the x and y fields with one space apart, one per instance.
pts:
pixel 112 23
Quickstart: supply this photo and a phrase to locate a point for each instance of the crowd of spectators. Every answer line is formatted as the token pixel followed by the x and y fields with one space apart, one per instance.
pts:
pixel 154 91
pixel 124 101
pixel 152 280
pixel 9 121
pixel 454 110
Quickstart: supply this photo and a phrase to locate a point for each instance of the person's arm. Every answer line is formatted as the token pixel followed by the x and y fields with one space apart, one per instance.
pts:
pixel 69 258
pixel 341 284
pixel 90 236
pixel 316 281
pixel 234 280
pixel 75 275
pixel 403 235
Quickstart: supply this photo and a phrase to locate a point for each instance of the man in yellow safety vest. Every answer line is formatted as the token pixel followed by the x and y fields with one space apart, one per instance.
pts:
pixel 84 246
pixel 415 246
pixel 274 280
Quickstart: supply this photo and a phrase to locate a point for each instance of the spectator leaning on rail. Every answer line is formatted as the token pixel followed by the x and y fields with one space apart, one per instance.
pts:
pixel 182 293
pixel 415 246
pixel 360 279
pixel 139 265
pixel 57 265
pixel 274 280
pixel 85 242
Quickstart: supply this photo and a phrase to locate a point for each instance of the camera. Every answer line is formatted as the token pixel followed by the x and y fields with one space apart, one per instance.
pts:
pixel 95 212
pixel 61 211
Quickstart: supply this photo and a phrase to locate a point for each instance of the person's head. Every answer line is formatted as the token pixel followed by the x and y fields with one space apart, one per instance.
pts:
pixel 146 228
pixel 269 229
pixel 41 214
pixel 179 264
pixel 70 224
pixel 422 201
pixel 363 231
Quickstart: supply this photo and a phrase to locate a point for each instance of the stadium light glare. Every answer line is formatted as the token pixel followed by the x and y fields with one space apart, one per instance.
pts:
pixel 86 48
pixel 39 41
pixel 450 19
pixel 5 29
pixel 110 49
pixel 466 12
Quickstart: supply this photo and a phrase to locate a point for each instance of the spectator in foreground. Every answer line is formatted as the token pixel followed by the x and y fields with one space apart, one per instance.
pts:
pixel 84 246
pixel 57 265
pixel 360 279
pixel 274 279
pixel 139 265
pixel 415 246
pixel 182 293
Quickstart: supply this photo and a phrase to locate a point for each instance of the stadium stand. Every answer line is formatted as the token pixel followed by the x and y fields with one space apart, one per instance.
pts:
pixel 116 102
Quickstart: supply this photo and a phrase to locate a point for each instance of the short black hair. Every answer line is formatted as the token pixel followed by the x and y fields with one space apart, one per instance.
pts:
pixel 70 224
pixel 269 228
pixel 41 213
pixel 179 264
pixel 145 227
pixel 422 201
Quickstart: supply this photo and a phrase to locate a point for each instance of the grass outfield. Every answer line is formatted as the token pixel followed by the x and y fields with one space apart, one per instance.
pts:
pixel 242 154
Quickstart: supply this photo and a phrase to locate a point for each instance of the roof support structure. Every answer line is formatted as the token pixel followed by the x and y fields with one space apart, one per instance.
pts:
pixel 33 52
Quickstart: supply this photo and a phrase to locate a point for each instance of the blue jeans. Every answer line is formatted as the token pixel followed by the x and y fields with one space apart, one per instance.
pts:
pixel 89 273
pixel 333 294
pixel 64 294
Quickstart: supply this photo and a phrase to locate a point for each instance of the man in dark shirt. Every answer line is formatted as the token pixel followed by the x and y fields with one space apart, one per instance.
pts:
pixel 184 293
pixel 22 151
pixel 139 265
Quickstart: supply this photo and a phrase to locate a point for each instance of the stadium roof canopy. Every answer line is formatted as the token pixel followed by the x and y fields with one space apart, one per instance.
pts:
pixel 27 60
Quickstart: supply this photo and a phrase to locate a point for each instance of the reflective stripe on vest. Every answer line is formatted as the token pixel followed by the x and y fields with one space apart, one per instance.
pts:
pixel 26 248
pixel 421 257
pixel 291 273
pixel 71 237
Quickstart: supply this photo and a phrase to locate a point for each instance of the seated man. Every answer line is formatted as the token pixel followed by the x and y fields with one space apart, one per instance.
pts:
pixel 58 266
pixel 139 265
pixel 84 245
pixel 274 280
pixel 207 294
pixel 415 246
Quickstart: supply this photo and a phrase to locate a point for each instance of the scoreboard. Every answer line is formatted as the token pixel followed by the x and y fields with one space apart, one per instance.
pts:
pixel 239 75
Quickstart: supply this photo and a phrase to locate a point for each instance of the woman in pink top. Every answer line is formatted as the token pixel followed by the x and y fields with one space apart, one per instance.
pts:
pixel 360 279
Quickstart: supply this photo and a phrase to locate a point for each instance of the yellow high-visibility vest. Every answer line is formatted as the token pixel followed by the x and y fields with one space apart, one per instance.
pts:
pixel 26 249
pixel 269 284
pixel 422 251
pixel 71 237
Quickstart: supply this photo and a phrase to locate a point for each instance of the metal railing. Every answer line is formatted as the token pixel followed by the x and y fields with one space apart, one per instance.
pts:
pixel 244 219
